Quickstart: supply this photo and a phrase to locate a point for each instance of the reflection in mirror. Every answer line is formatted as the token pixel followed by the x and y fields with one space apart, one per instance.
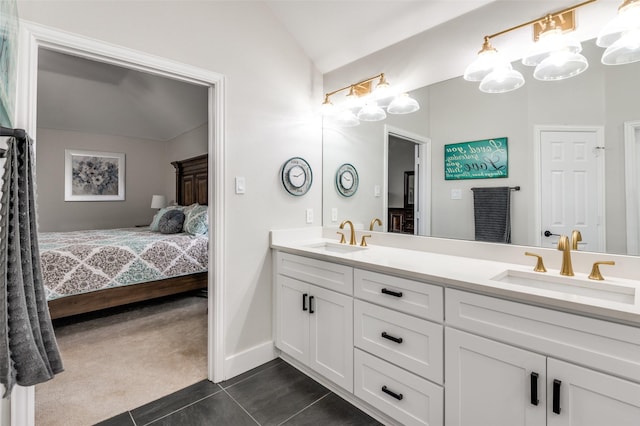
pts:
pixel 535 119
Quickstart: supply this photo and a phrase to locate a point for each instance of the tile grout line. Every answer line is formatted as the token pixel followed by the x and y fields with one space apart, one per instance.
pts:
pixel 184 406
pixel 241 407
pixel 253 375
pixel 300 411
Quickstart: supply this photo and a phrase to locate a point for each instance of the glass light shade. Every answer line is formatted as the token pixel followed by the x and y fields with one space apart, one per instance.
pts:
pixel 383 94
pixel 487 61
pixel 346 118
pixel 371 112
pixel 353 101
pixel 560 65
pixel 502 80
pixel 327 109
pixel 403 104
pixel 628 19
pixel 158 202
pixel 624 51
pixel 549 42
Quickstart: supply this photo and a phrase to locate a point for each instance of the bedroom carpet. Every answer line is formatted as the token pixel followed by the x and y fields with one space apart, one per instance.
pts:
pixel 123 358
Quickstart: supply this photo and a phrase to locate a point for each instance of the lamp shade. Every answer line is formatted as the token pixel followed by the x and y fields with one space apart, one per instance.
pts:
pixel 158 202
pixel 549 42
pixel 371 112
pixel 487 61
pixel 624 51
pixel 346 118
pixel 502 80
pixel 403 104
pixel 627 19
pixel 560 65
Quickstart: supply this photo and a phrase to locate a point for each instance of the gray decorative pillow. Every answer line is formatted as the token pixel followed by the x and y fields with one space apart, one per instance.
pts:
pixel 171 222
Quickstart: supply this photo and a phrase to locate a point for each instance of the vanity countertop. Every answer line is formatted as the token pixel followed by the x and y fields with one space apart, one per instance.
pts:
pixel 614 299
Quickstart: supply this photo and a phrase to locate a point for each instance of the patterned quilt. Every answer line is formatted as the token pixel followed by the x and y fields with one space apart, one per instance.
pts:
pixel 83 261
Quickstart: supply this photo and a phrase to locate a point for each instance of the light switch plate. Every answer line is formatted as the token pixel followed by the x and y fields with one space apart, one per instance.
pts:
pixel 376 191
pixel 334 214
pixel 309 215
pixel 456 194
pixel 241 186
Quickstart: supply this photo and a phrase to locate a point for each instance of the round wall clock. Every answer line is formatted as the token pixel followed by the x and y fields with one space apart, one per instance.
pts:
pixel 296 176
pixel 347 180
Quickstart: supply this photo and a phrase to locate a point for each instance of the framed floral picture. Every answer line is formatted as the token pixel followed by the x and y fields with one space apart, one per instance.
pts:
pixel 93 176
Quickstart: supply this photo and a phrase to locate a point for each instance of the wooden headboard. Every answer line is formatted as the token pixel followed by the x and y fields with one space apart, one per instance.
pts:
pixel 192 180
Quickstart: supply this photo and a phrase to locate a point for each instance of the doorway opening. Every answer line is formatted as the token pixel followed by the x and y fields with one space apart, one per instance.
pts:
pixel 632 184
pixel 407 192
pixel 35 37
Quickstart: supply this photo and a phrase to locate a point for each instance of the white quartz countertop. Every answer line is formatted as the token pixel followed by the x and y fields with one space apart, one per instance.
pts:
pixel 620 300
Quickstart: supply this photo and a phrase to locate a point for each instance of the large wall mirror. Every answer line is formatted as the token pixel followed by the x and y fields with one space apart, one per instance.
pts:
pixel 602 103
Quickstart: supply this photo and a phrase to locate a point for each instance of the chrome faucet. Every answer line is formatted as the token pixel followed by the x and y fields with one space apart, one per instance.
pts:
pixel 565 247
pixel 352 239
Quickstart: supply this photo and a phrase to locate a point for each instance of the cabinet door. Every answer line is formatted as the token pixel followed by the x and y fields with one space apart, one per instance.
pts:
pixel 331 334
pixel 490 384
pixel 292 326
pixel 590 398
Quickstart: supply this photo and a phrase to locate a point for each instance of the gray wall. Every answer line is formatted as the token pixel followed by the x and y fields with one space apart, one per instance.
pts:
pixel 144 169
pixel 248 45
pixel 187 145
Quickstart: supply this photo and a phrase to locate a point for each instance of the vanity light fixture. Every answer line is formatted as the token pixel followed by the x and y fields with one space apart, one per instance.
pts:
pixel 364 102
pixel 621 36
pixel 556 55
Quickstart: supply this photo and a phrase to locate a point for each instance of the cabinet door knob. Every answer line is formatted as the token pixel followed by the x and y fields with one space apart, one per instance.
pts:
pixel 397 396
pixel 393 339
pixel 304 301
pixel 391 292
pixel 556 396
pixel 534 388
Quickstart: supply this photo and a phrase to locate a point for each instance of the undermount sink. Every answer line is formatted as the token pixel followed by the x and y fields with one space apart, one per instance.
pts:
pixel 336 247
pixel 569 285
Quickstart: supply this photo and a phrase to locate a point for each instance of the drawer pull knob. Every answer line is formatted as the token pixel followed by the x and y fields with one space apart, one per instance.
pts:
pixel 391 292
pixel 397 396
pixel 534 388
pixel 556 396
pixel 393 339
pixel 304 301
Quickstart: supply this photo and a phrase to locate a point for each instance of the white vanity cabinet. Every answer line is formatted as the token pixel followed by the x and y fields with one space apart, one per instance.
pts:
pixel 398 343
pixel 496 383
pixel 314 325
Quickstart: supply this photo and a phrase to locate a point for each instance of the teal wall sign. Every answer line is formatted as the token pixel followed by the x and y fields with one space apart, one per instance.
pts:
pixel 483 159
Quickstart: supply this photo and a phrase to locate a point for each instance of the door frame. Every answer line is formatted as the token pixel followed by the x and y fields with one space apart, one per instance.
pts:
pixel 537 162
pixel 631 175
pixel 34 36
pixel 424 178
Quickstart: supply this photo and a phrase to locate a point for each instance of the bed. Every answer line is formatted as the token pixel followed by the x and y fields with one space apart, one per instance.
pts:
pixel 85 271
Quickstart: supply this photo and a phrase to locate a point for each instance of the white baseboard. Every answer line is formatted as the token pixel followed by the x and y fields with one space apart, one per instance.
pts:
pixel 246 360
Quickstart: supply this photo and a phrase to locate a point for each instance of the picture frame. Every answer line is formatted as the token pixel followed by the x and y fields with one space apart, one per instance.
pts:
pixel 94 175
pixel 409 189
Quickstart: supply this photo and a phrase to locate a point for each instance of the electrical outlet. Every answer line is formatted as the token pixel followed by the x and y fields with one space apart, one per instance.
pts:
pixel 309 215
pixel 456 194
pixel 334 214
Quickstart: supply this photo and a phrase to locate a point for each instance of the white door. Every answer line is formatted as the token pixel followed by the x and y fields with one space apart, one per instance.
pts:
pixel 572 186
pixel 331 335
pixel 492 384
pixel 293 318
pixel 632 184
pixel 589 398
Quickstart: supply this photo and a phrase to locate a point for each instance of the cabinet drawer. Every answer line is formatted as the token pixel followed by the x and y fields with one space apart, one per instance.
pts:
pixel 409 399
pixel 324 274
pixel 409 342
pixel 411 297
pixel 595 343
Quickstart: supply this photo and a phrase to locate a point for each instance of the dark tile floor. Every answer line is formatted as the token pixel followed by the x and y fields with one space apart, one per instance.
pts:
pixel 272 394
